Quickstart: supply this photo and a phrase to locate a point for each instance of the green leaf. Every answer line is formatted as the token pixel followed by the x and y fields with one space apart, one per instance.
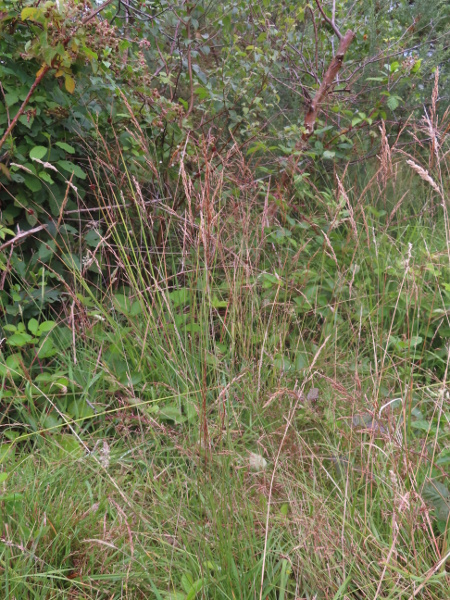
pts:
pixel 393 102
pixel 20 339
pixel 415 341
pixel 46 326
pixel 11 497
pixel 195 589
pixel 11 98
pixel 33 326
pixel 423 425
pixel 31 13
pixel 46 177
pixel 65 147
pixel 33 183
pixel 46 349
pixel 438 495
pixel 38 152
pixel 172 413
pixel 71 168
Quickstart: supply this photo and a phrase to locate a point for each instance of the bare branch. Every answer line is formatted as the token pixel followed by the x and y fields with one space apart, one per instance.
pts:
pixel 22 235
pixel 330 22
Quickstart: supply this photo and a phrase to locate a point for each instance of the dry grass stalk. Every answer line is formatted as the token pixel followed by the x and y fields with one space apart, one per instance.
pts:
pixel 423 174
pixel 385 157
pixel 343 193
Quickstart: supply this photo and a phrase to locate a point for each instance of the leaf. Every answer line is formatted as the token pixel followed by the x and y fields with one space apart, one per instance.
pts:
pixel 33 183
pixel 423 425
pixel 71 168
pixel 438 495
pixel 172 413
pixel 19 339
pixel 11 98
pixel 46 349
pixel 179 297
pixel 41 70
pixel 30 13
pixel 33 326
pixel 46 177
pixel 11 497
pixel 70 84
pixel 46 326
pixel 415 341
pixel 393 102
pixel 196 587
pixel 65 147
pixel 3 476
pixel 38 152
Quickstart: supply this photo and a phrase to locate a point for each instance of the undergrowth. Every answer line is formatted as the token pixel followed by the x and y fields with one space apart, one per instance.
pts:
pixel 253 405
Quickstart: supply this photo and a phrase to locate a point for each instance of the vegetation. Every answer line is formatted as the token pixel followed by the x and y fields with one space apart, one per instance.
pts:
pixel 225 299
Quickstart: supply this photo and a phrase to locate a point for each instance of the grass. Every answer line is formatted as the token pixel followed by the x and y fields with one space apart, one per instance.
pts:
pixel 169 449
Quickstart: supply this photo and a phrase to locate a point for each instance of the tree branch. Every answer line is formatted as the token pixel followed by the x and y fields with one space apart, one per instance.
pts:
pixel 330 22
pixel 21 110
pixel 22 235
pixel 327 82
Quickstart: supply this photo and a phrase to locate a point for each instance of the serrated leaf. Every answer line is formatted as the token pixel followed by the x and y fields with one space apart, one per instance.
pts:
pixel 392 102
pixel 11 98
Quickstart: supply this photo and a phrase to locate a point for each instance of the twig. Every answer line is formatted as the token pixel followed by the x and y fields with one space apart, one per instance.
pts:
pixel 328 20
pixel 43 72
pixel 21 235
